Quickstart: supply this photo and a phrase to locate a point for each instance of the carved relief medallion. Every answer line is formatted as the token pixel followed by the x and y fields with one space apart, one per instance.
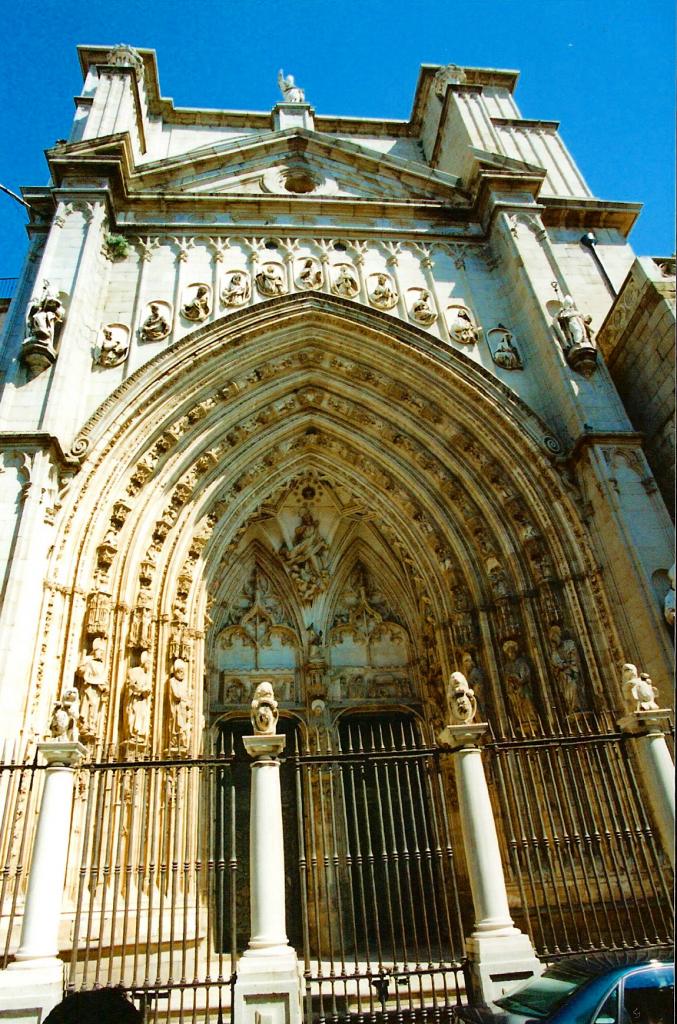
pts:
pixel 345 281
pixel 461 324
pixel 270 280
pixel 158 321
pixel 421 307
pixel 383 293
pixel 197 303
pixel 310 275
pixel 503 352
pixel 236 288
pixel 112 345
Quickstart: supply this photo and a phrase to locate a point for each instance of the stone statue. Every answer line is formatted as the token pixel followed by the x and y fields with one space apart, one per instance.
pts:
pixel 311 275
pixel 270 280
pixel 305 557
pixel 43 316
pixel 575 325
pixel 471 670
pixel 113 350
pixel 179 708
pixel 669 602
pixel 264 714
pixel 136 700
pixel 422 310
pixel 639 689
pixel 92 687
pixel 566 662
pixel 346 284
pixel 518 682
pixel 461 326
pixel 236 291
pixel 383 294
pixel 198 309
pixel 461 703
pixel 291 93
pixel 64 721
pixel 506 355
pixel 155 327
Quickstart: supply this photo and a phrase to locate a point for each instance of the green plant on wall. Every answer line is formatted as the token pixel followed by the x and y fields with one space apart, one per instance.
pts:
pixel 116 247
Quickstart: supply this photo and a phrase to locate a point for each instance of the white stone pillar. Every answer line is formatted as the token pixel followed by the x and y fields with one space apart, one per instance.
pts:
pixel 268 985
pixel 500 955
pixel 34 982
pixel 647 729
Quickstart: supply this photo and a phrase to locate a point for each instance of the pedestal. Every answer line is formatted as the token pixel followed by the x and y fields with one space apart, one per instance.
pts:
pixel 647 729
pixel 501 956
pixel 268 985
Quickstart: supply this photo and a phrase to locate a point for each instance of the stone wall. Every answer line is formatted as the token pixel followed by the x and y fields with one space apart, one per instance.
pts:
pixel 638 342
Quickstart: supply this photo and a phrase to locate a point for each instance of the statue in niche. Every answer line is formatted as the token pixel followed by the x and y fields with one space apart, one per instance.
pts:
pixel 383 294
pixel 179 708
pixel 498 579
pixel 505 354
pixel 310 276
pixel 461 326
pixel 669 602
pixel 575 325
pixel 422 310
pixel 461 703
pixel 63 724
pixel 235 692
pixel 44 315
pixel 517 675
pixel 236 291
pixel 346 284
pixel 305 557
pixel 291 93
pixel 113 347
pixel 471 670
pixel 639 689
pixel 141 624
pixel 92 687
pixel 320 719
pixel 155 327
pixel 567 665
pixel 198 309
pixel 136 698
pixel 264 714
pixel 270 279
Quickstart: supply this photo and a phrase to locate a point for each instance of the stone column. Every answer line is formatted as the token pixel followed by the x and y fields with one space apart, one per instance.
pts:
pixel 501 956
pixel 35 979
pixel 647 732
pixel 268 984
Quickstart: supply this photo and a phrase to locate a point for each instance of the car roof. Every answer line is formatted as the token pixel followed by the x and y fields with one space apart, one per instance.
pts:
pixel 595 964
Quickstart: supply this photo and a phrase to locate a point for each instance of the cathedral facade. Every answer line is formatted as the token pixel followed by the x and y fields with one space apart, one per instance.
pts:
pixel 317 401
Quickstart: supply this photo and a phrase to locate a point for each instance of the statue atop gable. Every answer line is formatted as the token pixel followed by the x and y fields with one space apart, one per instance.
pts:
pixel 291 93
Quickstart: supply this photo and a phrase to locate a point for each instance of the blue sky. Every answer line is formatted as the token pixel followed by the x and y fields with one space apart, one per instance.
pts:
pixel 604 70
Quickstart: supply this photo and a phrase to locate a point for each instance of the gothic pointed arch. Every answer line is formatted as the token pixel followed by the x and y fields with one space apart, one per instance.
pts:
pixel 289 447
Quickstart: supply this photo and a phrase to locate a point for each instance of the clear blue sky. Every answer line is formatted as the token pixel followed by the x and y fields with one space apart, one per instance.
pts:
pixel 605 70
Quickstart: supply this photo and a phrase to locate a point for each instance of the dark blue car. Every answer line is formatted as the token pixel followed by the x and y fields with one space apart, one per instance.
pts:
pixel 611 988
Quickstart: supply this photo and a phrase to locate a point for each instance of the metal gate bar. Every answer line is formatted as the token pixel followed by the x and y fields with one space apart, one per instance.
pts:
pixel 584 868
pixel 382 928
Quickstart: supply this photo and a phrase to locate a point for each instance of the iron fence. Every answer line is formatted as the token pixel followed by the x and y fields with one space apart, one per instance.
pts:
pixel 584 868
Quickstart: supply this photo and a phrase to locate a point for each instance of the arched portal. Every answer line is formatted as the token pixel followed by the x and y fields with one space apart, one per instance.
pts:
pixel 315 490
pixel 313 493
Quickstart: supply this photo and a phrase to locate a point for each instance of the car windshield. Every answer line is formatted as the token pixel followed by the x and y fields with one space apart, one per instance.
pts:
pixel 543 995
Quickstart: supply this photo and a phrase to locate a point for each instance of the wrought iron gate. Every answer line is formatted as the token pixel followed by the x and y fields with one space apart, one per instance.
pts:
pixel 584 868
pixel 382 923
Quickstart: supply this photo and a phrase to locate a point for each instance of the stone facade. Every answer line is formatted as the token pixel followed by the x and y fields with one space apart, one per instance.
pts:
pixel 637 339
pixel 316 401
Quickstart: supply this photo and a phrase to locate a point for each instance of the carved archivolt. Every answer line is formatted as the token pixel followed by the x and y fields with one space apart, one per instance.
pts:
pixel 213 451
